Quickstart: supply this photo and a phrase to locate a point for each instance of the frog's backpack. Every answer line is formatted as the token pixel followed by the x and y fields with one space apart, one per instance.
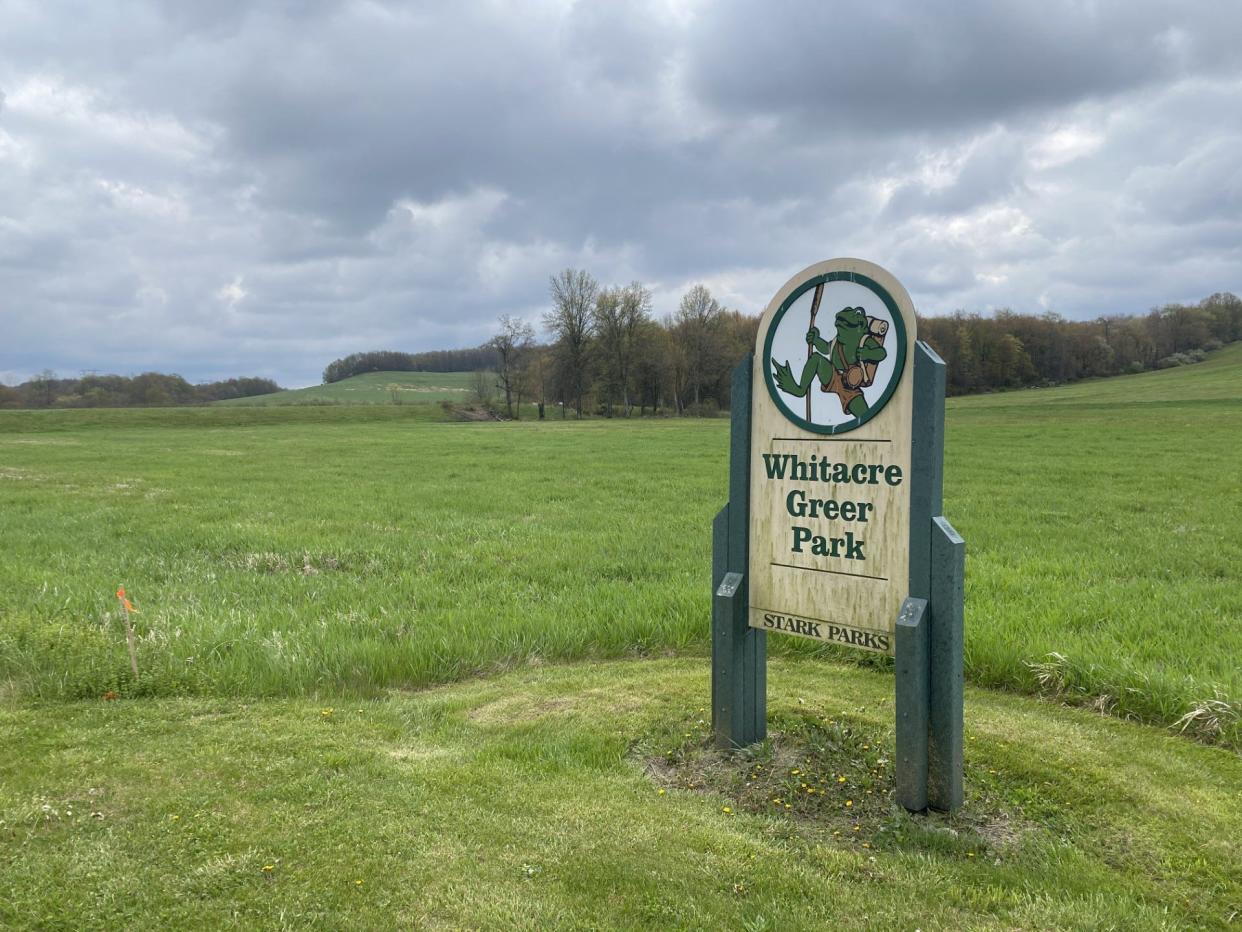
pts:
pixel 854 377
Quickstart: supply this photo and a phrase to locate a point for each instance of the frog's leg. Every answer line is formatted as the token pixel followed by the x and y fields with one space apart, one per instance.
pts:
pixel 858 407
pixel 816 366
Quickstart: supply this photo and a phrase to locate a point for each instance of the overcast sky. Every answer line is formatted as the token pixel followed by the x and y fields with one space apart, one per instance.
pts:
pixel 225 188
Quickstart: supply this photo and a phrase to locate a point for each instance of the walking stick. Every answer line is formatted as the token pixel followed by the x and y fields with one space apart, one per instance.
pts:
pixel 810 347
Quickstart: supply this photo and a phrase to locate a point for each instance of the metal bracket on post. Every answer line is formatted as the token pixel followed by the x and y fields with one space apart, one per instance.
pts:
pixel 739 652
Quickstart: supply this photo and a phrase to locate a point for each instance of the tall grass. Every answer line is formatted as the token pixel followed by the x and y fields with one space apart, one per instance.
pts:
pixel 315 550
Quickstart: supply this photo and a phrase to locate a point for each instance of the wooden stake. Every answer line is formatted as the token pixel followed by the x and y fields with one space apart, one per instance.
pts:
pixel 810 347
pixel 129 638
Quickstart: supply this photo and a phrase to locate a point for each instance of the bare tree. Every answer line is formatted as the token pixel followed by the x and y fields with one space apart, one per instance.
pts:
pixel 483 387
pixel 43 388
pixel 573 300
pixel 652 366
pixel 540 372
pixel 512 346
pixel 620 323
pixel 696 331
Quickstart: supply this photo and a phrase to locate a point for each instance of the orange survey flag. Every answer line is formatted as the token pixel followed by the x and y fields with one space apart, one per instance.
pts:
pixel 120 594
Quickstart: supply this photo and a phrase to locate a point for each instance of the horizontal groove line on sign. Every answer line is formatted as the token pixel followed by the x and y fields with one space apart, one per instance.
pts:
pixel 812 569
pixel 831 440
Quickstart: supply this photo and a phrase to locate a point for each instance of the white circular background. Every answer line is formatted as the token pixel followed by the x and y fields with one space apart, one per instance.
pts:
pixel 789 344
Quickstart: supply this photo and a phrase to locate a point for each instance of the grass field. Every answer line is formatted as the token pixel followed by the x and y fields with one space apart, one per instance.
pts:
pixel 559 798
pixel 372 388
pixel 1104 524
pixel 308 551
pixel 298 570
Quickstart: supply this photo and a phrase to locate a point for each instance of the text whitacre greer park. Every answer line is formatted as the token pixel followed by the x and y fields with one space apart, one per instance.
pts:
pixel 811 510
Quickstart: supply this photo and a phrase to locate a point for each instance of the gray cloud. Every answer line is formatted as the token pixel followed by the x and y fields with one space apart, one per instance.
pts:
pixel 232 188
pixel 927 65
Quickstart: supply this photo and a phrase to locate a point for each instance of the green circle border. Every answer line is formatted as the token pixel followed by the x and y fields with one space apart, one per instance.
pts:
pixel 899 322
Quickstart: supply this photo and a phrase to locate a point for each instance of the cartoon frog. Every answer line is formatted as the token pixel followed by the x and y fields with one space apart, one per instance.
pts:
pixel 844 366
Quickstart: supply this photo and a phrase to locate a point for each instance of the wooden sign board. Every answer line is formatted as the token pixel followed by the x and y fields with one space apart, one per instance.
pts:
pixel 830 456
pixel 833 529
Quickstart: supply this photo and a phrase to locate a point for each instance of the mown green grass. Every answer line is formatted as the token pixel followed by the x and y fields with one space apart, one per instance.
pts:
pixel 525 802
pixel 322 551
pixel 384 388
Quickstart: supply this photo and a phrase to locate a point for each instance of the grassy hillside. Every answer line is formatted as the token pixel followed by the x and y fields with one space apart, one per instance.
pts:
pixel 372 388
pixel 304 551
pixel 584 797
pixel 1102 522
pixel 1218 378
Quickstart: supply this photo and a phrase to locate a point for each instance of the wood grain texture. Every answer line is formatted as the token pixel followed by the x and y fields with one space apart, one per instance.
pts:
pixel 858 594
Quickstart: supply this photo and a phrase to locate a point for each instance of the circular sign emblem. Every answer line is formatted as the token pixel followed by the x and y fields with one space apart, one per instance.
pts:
pixel 835 352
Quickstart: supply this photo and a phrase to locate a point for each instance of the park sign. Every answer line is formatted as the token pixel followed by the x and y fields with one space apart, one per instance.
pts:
pixel 830 457
pixel 833 528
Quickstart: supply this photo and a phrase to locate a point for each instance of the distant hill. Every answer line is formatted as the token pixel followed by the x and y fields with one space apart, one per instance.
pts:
pixel 373 388
pixel 1217 378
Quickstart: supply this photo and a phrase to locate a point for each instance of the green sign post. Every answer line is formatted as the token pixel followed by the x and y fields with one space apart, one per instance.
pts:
pixel 833 529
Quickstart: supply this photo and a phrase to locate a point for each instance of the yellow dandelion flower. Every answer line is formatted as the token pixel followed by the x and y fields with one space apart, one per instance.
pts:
pixel 840 779
pixel 661 791
pixel 268 868
pixel 726 810
pixel 849 802
pixel 358 883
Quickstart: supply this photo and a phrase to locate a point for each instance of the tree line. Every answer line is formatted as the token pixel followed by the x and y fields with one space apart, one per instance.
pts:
pixel 456 360
pixel 608 354
pixel 46 390
pixel 1008 350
